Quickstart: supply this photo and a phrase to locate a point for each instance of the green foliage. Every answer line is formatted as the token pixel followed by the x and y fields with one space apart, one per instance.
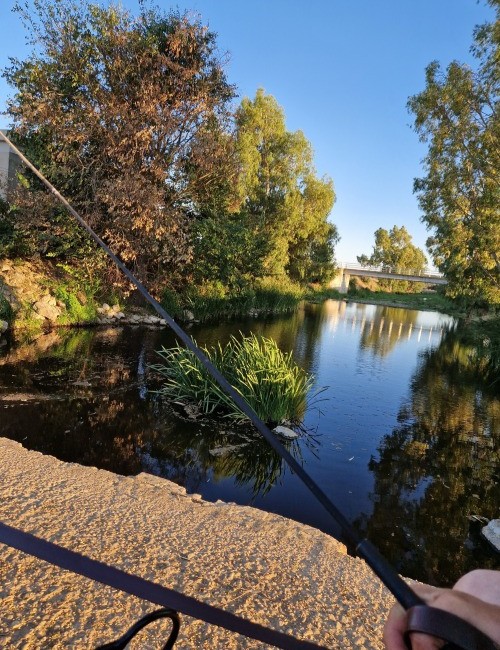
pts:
pixel 457 115
pixel 76 312
pixel 279 193
pixel 77 288
pixel 170 301
pixel 268 379
pixel 5 309
pixel 213 301
pixel 321 293
pixel 227 250
pixel 394 251
pixel 277 295
pixel 434 301
pixel 12 241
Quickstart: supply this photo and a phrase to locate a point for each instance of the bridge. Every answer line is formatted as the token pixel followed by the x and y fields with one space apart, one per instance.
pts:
pixel 427 276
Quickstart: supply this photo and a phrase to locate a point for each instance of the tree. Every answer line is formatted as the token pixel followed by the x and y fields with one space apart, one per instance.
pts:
pixel 115 109
pixel 278 189
pixel 394 251
pixel 457 115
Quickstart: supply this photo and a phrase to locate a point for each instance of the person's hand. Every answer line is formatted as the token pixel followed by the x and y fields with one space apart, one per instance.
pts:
pixel 475 598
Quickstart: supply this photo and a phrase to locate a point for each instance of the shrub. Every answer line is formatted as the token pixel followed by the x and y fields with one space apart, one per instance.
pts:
pixel 277 295
pixel 269 380
pixel 76 311
pixel 171 303
pixel 5 309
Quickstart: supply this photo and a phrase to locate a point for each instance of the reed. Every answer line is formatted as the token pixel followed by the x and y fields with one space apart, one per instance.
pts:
pixel 268 378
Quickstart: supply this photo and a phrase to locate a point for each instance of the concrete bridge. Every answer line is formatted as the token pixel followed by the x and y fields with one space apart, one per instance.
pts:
pixel 427 276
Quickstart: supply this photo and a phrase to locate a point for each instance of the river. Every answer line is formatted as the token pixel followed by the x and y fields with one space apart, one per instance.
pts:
pixel 402 440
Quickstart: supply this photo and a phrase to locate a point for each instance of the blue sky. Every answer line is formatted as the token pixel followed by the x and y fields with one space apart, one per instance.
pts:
pixel 343 71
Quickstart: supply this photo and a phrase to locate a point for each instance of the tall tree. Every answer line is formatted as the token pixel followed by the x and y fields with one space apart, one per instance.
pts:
pixel 278 187
pixel 458 116
pixel 114 109
pixel 394 251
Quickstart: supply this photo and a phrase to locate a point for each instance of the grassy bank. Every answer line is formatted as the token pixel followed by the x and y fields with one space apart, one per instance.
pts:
pixel 428 301
pixel 213 302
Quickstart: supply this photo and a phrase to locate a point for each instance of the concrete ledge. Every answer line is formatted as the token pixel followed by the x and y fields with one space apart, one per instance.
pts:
pixel 264 567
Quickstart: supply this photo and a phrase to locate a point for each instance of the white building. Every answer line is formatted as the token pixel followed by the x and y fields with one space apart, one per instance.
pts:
pixel 9 161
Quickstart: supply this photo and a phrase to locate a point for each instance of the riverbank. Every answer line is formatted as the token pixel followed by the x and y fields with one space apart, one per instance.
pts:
pixel 262 566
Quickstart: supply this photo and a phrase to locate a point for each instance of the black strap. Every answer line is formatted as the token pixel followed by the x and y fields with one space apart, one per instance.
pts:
pixel 147 590
pixel 459 634
pixel 123 641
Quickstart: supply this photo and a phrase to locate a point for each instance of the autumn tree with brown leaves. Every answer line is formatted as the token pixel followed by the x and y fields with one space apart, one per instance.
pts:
pixel 127 117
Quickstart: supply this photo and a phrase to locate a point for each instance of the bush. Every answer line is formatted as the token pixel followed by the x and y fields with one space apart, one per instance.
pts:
pixel 5 309
pixel 171 302
pixel 269 380
pixel 76 311
pixel 277 295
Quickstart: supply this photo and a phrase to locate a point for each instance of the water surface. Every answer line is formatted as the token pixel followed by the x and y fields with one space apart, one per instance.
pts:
pixel 404 442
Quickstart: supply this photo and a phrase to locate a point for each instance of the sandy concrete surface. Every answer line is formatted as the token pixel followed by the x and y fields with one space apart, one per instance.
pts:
pixel 264 567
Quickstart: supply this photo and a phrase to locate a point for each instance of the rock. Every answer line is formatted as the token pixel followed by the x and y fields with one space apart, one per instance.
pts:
pixel 192 411
pixel 82 298
pixel 47 308
pixel 187 315
pixel 491 533
pixel 286 432
pixel 4 326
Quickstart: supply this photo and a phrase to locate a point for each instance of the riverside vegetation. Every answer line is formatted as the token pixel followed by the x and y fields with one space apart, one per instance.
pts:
pixel 267 378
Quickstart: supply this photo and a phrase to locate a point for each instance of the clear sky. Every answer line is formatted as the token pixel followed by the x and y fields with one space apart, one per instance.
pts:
pixel 343 71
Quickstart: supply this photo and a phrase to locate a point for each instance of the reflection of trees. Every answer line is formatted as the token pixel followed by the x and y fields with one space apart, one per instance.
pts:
pixel 389 325
pixel 240 453
pixel 436 468
pixel 80 396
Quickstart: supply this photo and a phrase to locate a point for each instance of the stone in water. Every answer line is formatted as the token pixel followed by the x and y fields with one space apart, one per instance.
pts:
pixel 491 532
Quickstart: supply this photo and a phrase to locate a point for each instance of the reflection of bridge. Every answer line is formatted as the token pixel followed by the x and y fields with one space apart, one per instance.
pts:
pixel 427 276
pixel 388 327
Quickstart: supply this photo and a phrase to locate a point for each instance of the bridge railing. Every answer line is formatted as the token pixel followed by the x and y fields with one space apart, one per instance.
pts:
pixel 427 272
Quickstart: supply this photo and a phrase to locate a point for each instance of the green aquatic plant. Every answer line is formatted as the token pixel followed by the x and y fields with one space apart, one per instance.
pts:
pixel 268 379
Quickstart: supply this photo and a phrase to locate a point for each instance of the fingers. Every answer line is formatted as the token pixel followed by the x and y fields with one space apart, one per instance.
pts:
pixel 484 614
pixel 395 629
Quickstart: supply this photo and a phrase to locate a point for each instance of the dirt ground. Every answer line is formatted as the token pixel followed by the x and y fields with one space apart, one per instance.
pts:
pixel 266 568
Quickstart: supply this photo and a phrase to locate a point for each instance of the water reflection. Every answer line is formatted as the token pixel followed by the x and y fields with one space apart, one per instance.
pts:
pixel 407 443
pixel 86 396
pixel 437 467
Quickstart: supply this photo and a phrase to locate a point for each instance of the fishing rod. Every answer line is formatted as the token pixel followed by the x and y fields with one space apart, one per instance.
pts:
pixel 421 618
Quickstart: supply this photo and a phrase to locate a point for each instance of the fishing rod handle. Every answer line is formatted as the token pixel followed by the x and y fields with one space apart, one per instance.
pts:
pixel 458 634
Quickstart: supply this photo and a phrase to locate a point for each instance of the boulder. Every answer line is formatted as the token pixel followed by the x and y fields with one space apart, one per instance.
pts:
pixel 4 326
pixel 47 308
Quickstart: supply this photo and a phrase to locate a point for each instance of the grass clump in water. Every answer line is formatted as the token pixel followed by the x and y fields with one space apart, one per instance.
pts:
pixel 268 379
